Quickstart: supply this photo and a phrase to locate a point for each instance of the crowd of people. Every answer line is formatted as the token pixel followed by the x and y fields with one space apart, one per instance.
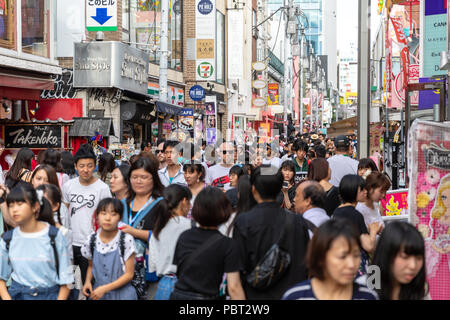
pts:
pixel 295 219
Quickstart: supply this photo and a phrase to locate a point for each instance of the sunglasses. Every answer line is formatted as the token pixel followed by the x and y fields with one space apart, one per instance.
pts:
pixel 158 151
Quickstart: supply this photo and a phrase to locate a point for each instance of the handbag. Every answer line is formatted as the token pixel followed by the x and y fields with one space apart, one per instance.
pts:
pixel 274 263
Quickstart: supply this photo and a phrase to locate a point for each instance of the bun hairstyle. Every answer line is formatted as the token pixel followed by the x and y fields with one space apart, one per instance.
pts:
pixel 24 192
pixel 173 195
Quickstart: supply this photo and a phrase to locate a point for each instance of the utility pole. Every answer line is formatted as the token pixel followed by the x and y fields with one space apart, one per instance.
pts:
pixel 287 64
pixel 363 78
pixel 163 92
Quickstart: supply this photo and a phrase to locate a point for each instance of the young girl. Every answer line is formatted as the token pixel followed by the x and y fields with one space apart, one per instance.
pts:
pixel 171 221
pixel 287 169
pixel 203 254
pixel 365 167
pixel 43 174
pixel 400 255
pixel 235 173
pixel 111 256
pixel 377 184
pixel 34 254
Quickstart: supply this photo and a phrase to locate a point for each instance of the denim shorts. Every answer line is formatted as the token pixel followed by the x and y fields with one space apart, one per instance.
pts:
pixel 165 287
pixel 20 292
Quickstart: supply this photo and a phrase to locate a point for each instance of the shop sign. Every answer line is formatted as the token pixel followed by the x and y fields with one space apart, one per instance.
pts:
pixel 197 93
pixel 205 48
pixel 435 41
pixel 33 136
pixel 259 102
pixel 101 15
pixel 63 88
pixel 110 64
pixel 395 203
pixel 273 90
pixel 205 70
pixel 186 120
pixel 258 84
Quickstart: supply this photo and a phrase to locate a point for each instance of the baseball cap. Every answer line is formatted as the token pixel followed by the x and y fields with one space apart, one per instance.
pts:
pixel 341 141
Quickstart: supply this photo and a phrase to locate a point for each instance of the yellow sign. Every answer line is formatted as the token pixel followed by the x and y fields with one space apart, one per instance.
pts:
pixel 205 49
pixel 273 90
pixel 350 96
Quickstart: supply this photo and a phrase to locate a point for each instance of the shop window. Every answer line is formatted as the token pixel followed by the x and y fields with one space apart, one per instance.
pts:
pixel 36 27
pixel 7 24
pixel 145 29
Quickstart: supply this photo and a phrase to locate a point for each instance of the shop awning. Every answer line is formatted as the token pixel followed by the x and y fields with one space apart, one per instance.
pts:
pixel 168 108
pixel 15 81
pixel 87 127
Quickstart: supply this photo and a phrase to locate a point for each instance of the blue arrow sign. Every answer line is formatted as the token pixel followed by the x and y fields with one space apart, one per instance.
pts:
pixel 101 15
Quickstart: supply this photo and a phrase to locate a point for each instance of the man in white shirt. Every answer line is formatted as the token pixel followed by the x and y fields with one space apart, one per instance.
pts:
pixel 173 173
pixel 81 195
pixel 309 201
pixel 341 164
pixel 218 175
pixel 271 158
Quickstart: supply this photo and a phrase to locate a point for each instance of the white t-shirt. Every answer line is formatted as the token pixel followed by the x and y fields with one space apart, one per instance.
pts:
pixel 218 174
pixel 341 166
pixel 370 215
pixel 275 162
pixel 161 251
pixel 83 201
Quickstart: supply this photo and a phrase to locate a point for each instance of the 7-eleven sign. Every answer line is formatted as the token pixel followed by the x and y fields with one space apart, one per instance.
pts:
pixel 205 70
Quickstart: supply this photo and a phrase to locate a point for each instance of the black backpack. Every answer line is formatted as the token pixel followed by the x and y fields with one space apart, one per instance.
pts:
pixel 52 233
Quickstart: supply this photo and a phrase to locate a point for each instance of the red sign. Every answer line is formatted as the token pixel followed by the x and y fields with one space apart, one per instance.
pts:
pixel 398 27
pixel 405 63
pixel 395 203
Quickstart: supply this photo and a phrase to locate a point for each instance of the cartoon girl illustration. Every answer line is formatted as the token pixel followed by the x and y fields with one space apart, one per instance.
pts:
pixel 440 232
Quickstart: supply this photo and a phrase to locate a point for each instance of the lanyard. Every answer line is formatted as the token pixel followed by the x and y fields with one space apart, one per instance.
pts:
pixel 132 220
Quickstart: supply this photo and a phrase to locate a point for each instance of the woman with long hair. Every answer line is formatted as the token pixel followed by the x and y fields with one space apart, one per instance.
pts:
pixel 106 165
pixel 245 203
pixel 52 157
pixel 119 183
pixel 171 221
pixel 44 174
pixel 400 255
pixel 21 168
pixel 68 164
pixel 140 210
pixel 287 169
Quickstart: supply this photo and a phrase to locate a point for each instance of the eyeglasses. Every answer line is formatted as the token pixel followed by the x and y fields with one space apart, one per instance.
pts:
pixel 158 151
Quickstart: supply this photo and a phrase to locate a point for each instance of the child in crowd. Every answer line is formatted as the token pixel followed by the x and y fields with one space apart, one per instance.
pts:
pixel 171 221
pixel 111 256
pixel 34 254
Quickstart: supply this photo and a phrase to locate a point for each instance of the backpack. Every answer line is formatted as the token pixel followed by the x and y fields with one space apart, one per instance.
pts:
pixel 138 281
pixel 52 233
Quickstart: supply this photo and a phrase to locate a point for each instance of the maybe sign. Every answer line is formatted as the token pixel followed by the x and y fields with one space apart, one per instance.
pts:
pixel 101 15
pixel 33 136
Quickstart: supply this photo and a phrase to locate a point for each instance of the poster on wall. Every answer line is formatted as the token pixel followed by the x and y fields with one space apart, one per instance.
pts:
pixel 429 199
pixel 211 117
pixel 395 204
pixel 186 121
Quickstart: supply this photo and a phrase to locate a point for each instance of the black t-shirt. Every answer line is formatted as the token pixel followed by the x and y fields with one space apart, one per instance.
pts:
pixel 205 274
pixel 353 215
pixel 332 200
pixel 232 195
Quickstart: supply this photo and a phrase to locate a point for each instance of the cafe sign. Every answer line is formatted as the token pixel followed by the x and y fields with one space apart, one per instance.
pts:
pixel 110 64
pixel 33 136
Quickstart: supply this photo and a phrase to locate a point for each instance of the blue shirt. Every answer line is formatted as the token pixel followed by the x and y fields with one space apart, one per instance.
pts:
pixel 304 291
pixel 31 260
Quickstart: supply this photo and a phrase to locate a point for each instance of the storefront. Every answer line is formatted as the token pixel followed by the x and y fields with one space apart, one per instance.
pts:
pixel 113 81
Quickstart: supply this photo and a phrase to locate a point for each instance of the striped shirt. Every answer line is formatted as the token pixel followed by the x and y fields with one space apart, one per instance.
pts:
pixel 304 291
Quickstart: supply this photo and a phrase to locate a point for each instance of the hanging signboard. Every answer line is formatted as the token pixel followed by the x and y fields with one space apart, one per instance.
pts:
pixel 211 116
pixel 186 121
pixel 197 93
pixel 258 84
pixel 33 136
pixel 259 102
pixel 205 70
pixel 273 89
pixel 205 33
pixel 101 15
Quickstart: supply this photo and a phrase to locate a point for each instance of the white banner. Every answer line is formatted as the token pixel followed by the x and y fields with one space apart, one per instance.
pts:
pixel 205 19
pixel 235 44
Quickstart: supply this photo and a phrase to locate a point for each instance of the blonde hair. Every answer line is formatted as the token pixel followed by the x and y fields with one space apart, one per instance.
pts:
pixel 439 209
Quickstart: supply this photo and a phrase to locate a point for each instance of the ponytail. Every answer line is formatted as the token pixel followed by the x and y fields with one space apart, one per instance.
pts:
pixel 173 195
pixel 46 213
pixel 53 194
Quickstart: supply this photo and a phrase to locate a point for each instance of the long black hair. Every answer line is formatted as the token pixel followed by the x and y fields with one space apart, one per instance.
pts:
pixel 24 192
pixel 106 164
pixel 400 237
pixel 54 196
pixel 245 199
pixel 52 157
pixel 173 195
pixel 68 163
pixel 22 161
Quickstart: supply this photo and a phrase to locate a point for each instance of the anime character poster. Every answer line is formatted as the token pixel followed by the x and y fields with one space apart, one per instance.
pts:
pixel 429 199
